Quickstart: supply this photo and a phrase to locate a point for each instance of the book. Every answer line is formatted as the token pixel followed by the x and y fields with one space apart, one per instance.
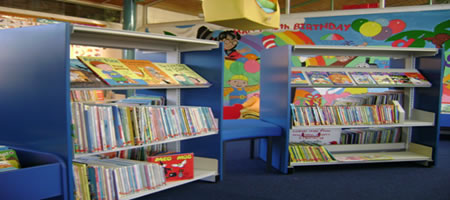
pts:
pixel 149 72
pixel 176 166
pixel 182 74
pixel 340 78
pixel 298 77
pixel 8 160
pixel 417 79
pixel 321 136
pixel 400 78
pixel 382 78
pixel 82 76
pixel 112 71
pixel 362 78
pixel 319 78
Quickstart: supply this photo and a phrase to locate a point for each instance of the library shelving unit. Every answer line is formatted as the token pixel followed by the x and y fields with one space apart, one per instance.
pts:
pixel 420 130
pixel 35 89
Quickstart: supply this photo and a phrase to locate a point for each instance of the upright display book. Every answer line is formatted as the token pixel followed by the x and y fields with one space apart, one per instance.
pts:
pixel 82 76
pixel 400 78
pixel 382 78
pixel 340 78
pixel 298 77
pixel 417 79
pixel 176 166
pixel 148 72
pixel 112 71
pixel 182 74
pixel 319 78
pixel 362 78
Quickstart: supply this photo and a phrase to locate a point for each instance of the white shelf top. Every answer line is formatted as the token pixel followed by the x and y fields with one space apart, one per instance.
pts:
pixel 104 37
pixel 402 156
pixel 335 50
pixel 198 175
pixel 144 145
pixel 407 123
pixel 143 87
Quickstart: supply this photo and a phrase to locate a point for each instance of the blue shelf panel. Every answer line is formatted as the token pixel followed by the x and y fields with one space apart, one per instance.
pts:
pixel 42 176
pixel 444 120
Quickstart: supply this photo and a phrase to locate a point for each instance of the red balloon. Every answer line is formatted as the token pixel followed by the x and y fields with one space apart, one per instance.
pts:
pixel 397 25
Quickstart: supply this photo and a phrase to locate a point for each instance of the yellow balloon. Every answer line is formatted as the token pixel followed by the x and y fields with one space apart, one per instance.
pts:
pixel 370 29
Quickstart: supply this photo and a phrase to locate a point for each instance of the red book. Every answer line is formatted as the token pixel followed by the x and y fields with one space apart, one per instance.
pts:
pixel 176 166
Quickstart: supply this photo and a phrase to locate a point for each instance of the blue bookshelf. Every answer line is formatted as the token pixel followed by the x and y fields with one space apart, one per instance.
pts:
pixel 421 127
pixel 35 88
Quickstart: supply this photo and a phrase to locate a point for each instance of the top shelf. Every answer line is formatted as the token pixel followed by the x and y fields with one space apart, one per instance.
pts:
pixel 110 38
pixel 398 52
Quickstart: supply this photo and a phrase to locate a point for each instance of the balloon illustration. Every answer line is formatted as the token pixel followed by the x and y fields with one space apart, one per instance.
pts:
pixel 382 21
pixel 251 56
pixel 384 34
pixel 397 25
pixel 252 66
pixel 370 29
pixel 237 68
pixel 357 24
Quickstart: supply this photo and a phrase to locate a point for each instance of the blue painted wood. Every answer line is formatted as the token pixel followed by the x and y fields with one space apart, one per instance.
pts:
pixel 34 85
pixel 210 65
pixel 429 99
pixel 275 99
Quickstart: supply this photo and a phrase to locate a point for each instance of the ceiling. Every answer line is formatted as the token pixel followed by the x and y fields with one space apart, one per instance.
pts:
pixel 194 7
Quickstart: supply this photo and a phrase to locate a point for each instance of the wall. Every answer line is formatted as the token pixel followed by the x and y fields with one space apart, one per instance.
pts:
pixel 417 26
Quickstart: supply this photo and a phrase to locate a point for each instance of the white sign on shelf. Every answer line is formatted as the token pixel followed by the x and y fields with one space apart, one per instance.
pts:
pixel 322 136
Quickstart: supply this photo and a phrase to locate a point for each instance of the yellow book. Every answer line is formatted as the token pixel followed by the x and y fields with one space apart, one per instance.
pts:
pixel 112 71
pixel 182 74
pixel 149 72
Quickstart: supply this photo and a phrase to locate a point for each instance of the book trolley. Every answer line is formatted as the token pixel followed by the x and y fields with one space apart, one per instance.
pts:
pixel 36 93
pixel 420 128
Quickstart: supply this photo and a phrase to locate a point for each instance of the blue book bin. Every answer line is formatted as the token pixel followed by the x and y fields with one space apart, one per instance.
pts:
pixel 41 176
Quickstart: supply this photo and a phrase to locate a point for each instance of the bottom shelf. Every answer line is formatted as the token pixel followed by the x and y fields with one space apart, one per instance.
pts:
pixel 405 156
pixel 416 153
pixel 204 168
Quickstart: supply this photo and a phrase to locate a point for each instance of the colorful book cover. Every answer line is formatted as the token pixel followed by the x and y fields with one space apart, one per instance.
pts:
pixel 82 76
pixel 362 78
pixel 323 136
pixel 417 78
pixel 176 166
pixel 340 78
pixel 319 78
pixel 8 160
pixel 112 71
pixel 148 72
pixel 298 77
pixel 182 74
pixel 382 78
pixel 400 78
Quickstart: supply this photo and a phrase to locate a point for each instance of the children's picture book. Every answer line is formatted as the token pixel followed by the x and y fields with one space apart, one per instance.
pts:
pixel 319 78
pixel 8 160
pixel 340 78
pixel 112 71
pixel 176 166
pixel 82 76
pixel 362 78
pixel 417 79
pixel 298 77
pixel 148 72
pixel 182 74
pixel 400 78
pixel 382 78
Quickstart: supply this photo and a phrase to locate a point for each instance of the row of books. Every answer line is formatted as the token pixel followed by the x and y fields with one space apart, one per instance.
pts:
pixel 371 98
pixel 344 115
pixel 101 127
pixel 94 95
pixel 322 78
pixel 371 136
pixel 308 152
pixel 8 159
pixel 100 72
pixel 115 178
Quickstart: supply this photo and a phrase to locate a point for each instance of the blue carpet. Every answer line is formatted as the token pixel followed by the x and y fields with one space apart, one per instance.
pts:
pixel 247 179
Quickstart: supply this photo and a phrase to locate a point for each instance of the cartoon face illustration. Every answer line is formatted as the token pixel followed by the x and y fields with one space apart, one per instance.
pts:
pixel 238 83
pixel 101 65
